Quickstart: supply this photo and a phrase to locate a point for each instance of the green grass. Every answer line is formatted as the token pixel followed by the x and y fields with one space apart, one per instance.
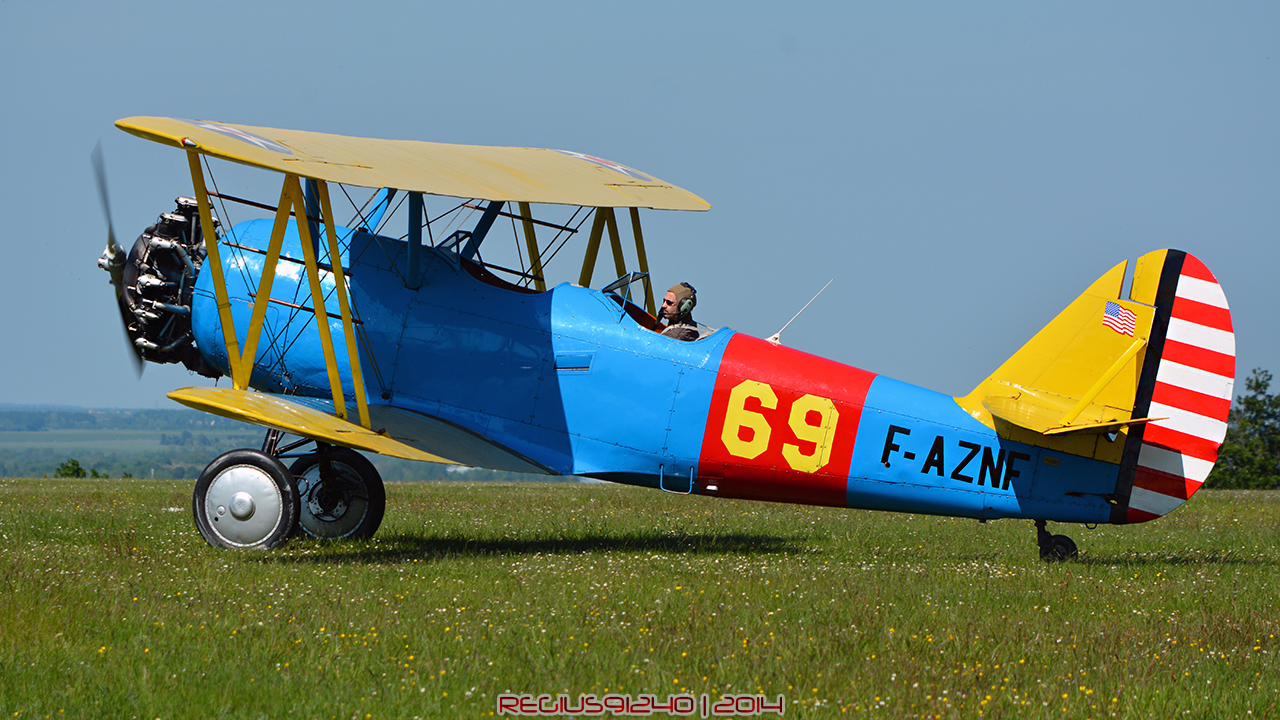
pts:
pixel 114 607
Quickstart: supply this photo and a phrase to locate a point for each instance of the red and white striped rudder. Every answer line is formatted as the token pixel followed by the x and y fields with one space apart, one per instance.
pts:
pixel 1188 390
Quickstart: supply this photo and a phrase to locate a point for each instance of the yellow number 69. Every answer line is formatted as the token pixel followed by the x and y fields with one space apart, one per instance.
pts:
pixel 737 416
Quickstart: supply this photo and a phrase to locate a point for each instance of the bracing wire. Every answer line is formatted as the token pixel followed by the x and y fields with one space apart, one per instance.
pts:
pixel 549 258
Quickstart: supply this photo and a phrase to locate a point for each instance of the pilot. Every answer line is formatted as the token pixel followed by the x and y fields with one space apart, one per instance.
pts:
pixel 677 313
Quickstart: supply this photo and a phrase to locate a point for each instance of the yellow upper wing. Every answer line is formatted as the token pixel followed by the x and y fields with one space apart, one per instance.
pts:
pixel 464 171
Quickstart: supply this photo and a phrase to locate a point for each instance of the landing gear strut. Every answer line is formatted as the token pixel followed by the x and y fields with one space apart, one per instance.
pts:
pixel 341 492
pixel 1054 548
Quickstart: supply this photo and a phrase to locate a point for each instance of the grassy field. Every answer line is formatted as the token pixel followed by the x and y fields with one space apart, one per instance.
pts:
pixel 114 607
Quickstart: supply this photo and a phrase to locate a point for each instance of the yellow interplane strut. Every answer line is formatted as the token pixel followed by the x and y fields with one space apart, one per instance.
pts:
pixel 593 249
pixel 531 243
pixel 241 364
pixel 344 305
pixel 606 218
pixel 239 379
pixel 293 189
pixel 259 316
pixel 644 261
pixel 615 242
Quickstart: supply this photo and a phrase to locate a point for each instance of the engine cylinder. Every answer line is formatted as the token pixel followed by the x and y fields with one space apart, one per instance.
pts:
pixel 158 281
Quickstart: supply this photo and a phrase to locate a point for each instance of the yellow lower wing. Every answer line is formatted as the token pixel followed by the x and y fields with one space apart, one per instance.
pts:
pixel 396 432
pixel 274 411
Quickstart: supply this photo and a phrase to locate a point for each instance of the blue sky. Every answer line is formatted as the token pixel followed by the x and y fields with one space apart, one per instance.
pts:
pixel 963 171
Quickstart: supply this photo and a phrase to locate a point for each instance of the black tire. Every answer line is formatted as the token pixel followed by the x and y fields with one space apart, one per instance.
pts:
pixel 245 499
pixel 1061 548
pixel 348 504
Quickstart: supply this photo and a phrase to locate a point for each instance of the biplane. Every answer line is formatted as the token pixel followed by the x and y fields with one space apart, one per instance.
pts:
pixel 349 338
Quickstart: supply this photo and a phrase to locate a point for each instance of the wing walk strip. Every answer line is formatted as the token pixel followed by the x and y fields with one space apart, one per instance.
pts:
pixel 1193 391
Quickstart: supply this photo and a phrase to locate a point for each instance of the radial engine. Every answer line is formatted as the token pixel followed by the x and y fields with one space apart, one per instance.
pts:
pixel 154 286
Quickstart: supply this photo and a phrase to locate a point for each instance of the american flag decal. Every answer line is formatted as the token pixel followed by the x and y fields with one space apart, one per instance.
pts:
pixel 1119 319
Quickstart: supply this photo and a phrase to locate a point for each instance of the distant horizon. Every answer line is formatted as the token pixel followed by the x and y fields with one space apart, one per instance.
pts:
pixel 50 407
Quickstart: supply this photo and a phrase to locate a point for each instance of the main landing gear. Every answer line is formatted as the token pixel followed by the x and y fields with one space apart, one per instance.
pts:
pixel 245 499
pixel 1054 548
pixel 249 499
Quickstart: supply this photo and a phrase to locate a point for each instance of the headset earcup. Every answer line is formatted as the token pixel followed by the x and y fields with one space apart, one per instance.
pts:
pixel 686 305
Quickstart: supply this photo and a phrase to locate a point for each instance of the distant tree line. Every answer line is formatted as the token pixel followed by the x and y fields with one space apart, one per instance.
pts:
pixel 36 420
pixel 189 465
pixel 72 469
pixel 106 465
pixel 186 438
pixel 190 441
pixel 189 462
pixel 1250 456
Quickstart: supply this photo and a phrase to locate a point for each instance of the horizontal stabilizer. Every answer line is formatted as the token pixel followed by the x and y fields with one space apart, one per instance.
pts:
pixel 1045 418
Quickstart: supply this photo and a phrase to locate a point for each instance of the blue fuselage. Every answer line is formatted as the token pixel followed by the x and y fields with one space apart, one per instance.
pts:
pixel 571 380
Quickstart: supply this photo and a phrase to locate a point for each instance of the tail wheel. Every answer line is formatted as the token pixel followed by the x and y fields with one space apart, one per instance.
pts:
pixel 1054 548
pixel 341 495
pixel 245 499
pixel 1060 549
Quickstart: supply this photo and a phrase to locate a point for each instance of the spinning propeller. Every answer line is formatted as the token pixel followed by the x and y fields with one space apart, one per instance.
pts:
pixel 114 257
